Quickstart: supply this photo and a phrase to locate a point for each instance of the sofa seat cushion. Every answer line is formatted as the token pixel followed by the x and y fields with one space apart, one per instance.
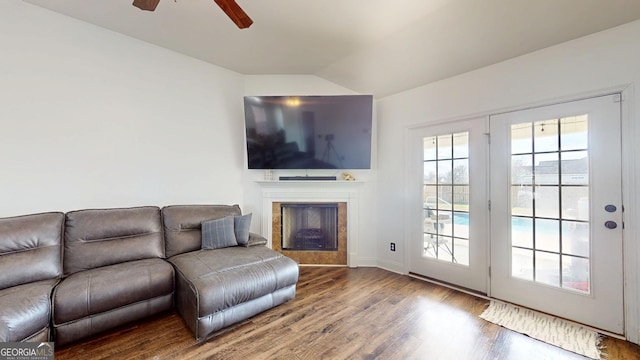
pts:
pixel 224 278
pixel 95 291
pixel 25 310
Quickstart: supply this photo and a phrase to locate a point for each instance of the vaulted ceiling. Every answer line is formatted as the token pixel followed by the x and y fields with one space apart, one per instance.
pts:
pixel 370 46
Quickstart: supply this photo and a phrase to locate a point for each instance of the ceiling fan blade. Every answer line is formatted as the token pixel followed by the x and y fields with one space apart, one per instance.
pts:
pixel 149 5
pixel 235 13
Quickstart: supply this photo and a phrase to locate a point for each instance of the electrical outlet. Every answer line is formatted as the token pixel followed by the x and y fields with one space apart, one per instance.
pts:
pixel 393 247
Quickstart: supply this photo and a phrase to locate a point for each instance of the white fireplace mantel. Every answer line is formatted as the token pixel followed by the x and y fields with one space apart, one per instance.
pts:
pixel 314 191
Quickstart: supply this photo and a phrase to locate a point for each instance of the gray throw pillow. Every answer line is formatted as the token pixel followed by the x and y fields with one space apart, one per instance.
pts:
pixel 218 233
pixel 241 226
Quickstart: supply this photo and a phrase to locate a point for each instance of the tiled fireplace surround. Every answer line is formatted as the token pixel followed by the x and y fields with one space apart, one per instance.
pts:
pixel 313 192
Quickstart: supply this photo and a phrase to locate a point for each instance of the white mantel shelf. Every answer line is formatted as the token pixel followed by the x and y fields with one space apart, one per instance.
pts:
pixel 314 191
pixel 310 182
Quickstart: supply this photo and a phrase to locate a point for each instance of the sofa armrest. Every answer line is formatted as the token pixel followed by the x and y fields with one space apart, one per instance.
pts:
pixel 256 240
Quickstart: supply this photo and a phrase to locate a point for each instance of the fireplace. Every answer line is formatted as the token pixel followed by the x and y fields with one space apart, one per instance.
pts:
pixel 311 233
pixel 309 227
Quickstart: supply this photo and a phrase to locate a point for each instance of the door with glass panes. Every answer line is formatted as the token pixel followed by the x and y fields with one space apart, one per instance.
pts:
pixel 556 215
pixel 448 229
pixel 553 221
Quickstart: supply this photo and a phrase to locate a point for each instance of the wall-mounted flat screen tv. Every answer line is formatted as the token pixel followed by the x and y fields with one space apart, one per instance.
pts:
pixel 309 132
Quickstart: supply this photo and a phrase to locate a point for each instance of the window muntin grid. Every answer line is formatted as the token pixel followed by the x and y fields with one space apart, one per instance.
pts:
pixel 446 215
pixel 550 202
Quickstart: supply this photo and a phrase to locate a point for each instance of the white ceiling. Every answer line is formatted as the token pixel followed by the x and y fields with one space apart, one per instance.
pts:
pixel 370 46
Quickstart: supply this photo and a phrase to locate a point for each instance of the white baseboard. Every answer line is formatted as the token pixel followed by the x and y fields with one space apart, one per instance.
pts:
pixel 392 266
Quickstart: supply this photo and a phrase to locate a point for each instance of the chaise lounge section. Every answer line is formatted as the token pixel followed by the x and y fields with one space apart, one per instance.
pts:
pixel 219 287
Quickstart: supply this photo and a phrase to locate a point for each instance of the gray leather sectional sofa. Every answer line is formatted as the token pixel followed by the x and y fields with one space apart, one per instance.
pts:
pixel 67 276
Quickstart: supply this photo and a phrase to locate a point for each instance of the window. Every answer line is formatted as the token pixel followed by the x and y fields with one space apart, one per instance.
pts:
pixel 446 197
pixel 550 202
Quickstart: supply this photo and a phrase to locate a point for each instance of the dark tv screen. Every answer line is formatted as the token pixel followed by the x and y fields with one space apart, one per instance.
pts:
pixel 309 132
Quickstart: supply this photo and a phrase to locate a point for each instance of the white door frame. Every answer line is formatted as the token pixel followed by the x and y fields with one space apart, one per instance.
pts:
pixel 630 194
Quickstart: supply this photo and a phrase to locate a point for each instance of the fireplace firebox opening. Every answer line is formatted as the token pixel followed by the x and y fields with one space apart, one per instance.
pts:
pixel 309 227
pixel 321 249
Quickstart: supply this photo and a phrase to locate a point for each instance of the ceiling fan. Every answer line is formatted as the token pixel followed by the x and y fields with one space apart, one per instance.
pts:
pixel 230 7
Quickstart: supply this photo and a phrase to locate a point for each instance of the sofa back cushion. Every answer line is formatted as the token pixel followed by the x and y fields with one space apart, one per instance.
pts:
pixel 95 238
pixel 30 248
pixel 182 225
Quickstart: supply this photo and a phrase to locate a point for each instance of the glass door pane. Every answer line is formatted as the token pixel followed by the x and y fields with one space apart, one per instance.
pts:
pixel 549 203
pixel 446 215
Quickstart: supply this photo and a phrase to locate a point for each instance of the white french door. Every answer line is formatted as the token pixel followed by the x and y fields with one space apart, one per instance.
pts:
pixel 447 221
pixel 554 228
pixel 556 210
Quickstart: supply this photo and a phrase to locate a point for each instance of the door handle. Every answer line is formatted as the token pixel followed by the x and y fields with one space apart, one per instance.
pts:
pixel 610 224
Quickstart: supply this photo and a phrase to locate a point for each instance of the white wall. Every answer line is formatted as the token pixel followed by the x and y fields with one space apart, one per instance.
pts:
pixel 586 65
pixel 92 118
pixel 256 85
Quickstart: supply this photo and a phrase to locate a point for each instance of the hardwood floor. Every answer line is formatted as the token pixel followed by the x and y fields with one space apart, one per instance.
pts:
pixel 341 313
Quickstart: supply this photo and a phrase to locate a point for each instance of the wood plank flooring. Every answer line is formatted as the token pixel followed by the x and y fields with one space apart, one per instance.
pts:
pixel 342 313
